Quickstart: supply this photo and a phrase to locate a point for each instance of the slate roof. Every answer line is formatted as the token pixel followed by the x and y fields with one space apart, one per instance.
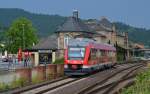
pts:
pixel 105 22
pixel 90 35
pixel 73 24
pixel 96 27
pixel 48 43
pixel 100 25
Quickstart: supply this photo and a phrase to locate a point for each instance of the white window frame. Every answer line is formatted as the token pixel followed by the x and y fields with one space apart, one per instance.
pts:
pixel 66 40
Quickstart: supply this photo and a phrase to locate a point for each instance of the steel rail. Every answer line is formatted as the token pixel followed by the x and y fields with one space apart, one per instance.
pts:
pixel 110 86
pixel 30 87
pixel 84 90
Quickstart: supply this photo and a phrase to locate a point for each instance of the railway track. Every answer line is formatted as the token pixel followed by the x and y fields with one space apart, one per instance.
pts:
pixel 44 87
pixel 67 85
pixel 51 86
pixel 108 85
pixel 27 88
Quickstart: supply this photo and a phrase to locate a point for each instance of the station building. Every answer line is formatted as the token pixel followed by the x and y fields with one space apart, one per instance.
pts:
pixel 45 52
pixel 102 31
pixel 74 27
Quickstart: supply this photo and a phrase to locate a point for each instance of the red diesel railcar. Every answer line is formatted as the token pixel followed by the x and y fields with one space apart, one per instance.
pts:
pixel 84 56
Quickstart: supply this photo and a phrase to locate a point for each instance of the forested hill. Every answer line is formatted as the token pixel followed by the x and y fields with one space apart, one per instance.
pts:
pixel 139 35
pixel 47 24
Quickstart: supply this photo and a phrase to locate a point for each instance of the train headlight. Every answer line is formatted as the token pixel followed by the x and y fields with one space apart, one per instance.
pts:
pixel 65 66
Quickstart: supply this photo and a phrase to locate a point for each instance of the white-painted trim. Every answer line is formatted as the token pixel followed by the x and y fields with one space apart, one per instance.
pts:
pixel 53 56
pixel 58 42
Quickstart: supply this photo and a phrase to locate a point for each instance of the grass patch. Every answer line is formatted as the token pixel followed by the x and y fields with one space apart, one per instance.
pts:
pixel 4 86
pixel 35 80
pixel 19 83
pixel 14 84
pixel 141 86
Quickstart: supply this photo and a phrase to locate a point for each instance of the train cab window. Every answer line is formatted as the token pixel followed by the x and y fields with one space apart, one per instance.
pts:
pixel 76 53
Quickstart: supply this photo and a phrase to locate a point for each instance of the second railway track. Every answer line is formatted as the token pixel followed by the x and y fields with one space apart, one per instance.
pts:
pixel 108 84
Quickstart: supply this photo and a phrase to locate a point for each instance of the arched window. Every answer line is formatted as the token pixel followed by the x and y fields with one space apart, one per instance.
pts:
pixel 66 40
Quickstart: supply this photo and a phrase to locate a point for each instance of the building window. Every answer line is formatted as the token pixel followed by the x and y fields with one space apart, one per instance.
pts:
pixel 66 40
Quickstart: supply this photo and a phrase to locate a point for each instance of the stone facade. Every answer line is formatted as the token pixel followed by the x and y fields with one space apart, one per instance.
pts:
pixel 65 35
pixel 102 31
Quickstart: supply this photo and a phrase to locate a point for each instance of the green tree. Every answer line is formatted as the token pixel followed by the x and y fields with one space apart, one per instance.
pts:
pixel 21 34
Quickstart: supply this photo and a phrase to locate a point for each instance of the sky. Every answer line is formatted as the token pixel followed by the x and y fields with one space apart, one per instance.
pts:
pixel 132 12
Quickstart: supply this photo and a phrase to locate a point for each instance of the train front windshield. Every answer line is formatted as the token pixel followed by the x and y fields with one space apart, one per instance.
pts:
pixel 76 53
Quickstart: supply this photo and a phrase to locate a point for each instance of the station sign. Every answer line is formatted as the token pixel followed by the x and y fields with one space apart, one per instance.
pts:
pixel 45 51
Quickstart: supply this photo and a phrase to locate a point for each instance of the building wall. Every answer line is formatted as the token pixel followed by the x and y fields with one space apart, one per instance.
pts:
pixel 121 41
pixel 101 39
pixel 98 39
pixel 62 35
pixel 61 41
pixel 112 37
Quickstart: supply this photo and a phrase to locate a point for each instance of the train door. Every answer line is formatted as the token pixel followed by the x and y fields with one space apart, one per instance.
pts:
pixel 98 54
pixel 92 57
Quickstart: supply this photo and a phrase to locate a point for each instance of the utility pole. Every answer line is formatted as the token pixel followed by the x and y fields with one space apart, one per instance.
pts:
pixel 23 41
pixel 23 36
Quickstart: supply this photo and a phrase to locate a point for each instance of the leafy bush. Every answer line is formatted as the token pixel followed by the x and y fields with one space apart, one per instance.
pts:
pixel 59 61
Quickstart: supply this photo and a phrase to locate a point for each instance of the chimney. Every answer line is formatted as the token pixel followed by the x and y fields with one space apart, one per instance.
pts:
pixel 75 14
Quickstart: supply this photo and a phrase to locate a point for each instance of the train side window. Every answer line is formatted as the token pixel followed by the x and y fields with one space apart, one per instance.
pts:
pixel 109 53
pixel 98 53
pixel 105 53
pixel 113 53
pixel 93 54
pixel 102 52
